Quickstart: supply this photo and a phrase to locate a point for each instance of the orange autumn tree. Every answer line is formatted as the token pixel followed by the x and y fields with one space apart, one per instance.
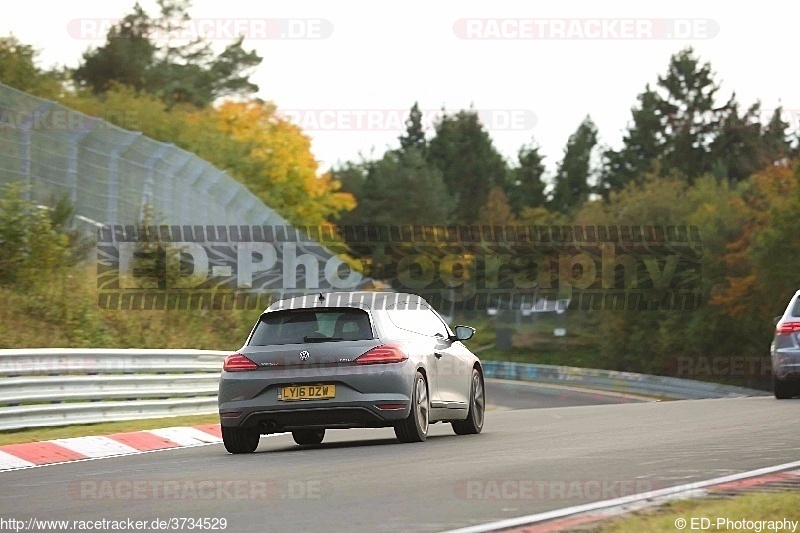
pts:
pixel 763 205
pixel 276 162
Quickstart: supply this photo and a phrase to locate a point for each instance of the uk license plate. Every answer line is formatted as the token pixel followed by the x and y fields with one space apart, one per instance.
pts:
pixel 307 392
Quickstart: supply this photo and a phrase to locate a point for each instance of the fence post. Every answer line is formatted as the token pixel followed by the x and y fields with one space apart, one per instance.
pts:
pixel 72 165
pixel 174 183
pixel 113 177
pixel 148 189
pixel 187 184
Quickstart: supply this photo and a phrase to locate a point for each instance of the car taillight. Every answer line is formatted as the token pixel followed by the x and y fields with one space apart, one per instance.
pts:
pixel 787 328
pixel 238 363
pixel 381 355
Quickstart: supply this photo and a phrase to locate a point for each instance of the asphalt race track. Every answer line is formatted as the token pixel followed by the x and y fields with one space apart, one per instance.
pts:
pixel 526 461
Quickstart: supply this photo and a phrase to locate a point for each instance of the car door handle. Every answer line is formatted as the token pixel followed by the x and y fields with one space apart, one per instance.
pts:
pixel 438 355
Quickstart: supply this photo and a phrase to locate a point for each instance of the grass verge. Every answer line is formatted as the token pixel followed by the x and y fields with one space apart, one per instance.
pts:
pixel 749 507
pixel 103 428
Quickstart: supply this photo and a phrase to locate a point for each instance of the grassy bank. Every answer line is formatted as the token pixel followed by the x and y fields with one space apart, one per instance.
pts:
pixel 60 310
pixel 749 507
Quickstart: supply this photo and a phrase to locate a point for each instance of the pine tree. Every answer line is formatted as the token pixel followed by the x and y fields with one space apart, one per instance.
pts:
pixel 187 73
pixel 525 186
pixel 775 144
pixel 399 188
pixel 736 149
pixel 572 186
pixel 643 142
pixel 415 134
pixel 470 165
pixel 688 117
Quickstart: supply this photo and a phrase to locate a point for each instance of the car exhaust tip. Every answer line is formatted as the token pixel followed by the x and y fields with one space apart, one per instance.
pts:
pixel 268 426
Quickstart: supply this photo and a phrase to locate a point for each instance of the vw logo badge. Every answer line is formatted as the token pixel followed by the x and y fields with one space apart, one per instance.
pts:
pixel 304 355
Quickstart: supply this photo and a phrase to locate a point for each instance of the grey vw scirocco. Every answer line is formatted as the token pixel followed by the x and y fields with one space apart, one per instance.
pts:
pixel 346 360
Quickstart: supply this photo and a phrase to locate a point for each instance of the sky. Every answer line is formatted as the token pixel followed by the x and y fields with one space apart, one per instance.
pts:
pixel 348 71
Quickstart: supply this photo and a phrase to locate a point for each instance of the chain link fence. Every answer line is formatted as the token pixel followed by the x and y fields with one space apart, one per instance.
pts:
pixel 109 174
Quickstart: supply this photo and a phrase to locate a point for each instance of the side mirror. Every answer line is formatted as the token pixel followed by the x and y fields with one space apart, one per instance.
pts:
pixel 776 320
pixel 464 333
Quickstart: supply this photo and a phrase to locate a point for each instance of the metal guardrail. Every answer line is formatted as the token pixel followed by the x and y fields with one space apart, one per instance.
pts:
pixel 59 386
pixel 53 387
pixel 611 380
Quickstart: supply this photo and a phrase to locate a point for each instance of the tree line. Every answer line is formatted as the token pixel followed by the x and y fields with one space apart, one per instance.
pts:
pixel 677 128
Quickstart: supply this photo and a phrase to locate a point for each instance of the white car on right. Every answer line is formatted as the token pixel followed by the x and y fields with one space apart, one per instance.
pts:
pixel 785 351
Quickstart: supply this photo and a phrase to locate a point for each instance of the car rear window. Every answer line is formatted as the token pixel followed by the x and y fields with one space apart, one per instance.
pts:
pixel 301 326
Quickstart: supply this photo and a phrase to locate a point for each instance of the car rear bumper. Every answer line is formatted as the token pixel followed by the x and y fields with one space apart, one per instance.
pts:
pixel 786 364
pixel 788 372
pixel 251 399
pixel 331 417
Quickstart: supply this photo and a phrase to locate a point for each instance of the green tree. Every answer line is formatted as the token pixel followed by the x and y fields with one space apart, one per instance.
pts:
pixel 18 69
pixel 647 341
pixel 642 143
pixel 774 253
pixel 526 185
pixel 30 243
pixel 736 151
pixel 139 52
pixel 128 57
pixel 572 185
pixel 463 152
pixel 352 175
pixel 775 143
pixel 679 126
pixel 414 136
pixel 686 105
pixel 401 188
pixel 497 211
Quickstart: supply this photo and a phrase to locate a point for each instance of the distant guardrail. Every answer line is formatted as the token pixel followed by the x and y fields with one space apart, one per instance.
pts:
pixel 62 386
pixel 611 380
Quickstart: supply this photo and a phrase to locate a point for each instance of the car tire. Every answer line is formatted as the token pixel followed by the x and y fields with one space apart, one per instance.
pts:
pixel 308 436
pixel 782 389
pixel 473 424
pixel 414 428
pixel 240 440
